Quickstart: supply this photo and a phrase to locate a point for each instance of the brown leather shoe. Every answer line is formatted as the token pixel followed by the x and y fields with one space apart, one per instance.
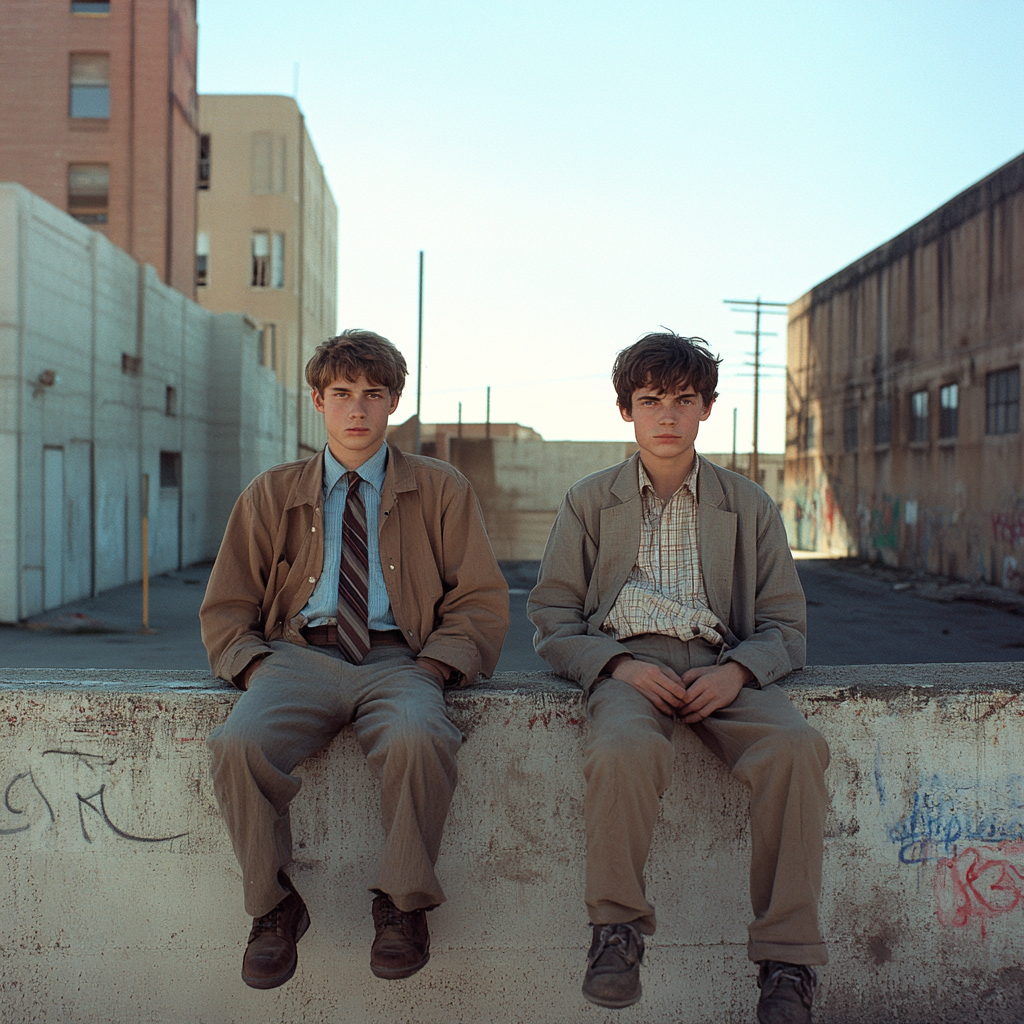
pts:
pixel 787 992
pixel 271 957
pixel 402 945
pixel 613 966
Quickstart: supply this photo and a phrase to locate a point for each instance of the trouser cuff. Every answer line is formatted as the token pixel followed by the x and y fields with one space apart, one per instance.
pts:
pixel 806 954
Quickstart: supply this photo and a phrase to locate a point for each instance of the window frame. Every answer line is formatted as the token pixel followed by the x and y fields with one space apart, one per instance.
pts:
pixel 84 93
pixel 949 415
pixel 86 207
pixel 1002 416
pixel 919 416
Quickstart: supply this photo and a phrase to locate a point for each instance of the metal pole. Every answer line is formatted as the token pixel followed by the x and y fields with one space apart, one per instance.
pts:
pixel 732 466
pixel 460 419
pixel 145 554
pixel 488 428
pixel 757 388
pixel 419 363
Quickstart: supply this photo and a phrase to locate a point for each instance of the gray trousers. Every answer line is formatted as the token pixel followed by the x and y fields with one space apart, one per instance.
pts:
pixel 299 698
pixel 768 746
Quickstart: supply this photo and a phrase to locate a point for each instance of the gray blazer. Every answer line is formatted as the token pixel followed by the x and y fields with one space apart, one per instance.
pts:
pixel 749 575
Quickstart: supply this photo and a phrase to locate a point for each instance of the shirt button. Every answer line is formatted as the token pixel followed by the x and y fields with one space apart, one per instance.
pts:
pixel 312 579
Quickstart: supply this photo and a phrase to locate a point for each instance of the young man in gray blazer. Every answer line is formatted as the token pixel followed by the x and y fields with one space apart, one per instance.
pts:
pixel 668 593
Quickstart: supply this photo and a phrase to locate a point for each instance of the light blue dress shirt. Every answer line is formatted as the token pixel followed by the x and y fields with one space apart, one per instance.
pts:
pixel 323 602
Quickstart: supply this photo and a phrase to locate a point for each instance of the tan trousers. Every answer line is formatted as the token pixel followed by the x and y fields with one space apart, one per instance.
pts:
pixel 298 700
pixel 768 746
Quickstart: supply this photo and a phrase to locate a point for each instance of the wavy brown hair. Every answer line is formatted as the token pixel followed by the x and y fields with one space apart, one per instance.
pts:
pixel 665 362
pixel 356 353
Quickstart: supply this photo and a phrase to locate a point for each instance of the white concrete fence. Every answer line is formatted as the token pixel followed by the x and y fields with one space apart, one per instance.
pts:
pixel 120 897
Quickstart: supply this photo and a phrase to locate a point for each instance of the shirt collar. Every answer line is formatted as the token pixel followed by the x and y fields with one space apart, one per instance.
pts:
pixel 689 484
pixel 372 471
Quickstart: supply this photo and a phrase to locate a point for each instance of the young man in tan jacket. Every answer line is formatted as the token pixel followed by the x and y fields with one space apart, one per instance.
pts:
pixel 350 589
pixel 668 593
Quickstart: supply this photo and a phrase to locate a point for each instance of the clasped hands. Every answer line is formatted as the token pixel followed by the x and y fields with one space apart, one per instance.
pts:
pixel 692 696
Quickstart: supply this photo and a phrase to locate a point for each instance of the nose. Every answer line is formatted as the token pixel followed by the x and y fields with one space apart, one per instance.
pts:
pixel 357 410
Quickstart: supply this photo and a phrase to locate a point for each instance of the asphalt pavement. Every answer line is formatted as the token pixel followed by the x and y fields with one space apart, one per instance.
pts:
pixel 857 615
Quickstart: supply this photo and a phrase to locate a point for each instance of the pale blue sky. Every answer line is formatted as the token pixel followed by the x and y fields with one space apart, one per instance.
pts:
pixel 579 173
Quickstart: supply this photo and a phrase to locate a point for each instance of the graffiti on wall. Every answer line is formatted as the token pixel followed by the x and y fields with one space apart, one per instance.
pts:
pixel 23 790
pixel 1008 528
pixel 974 837
pixel 885 523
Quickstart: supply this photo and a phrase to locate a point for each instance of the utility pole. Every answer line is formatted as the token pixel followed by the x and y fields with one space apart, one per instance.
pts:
pixel 757 307
pixel 419 364
pixel 488 427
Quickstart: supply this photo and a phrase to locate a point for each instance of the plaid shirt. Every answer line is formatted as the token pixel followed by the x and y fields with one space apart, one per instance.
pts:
pixel 665 591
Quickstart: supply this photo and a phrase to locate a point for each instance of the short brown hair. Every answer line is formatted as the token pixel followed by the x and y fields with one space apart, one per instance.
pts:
pixel 665 361
pixel 356 353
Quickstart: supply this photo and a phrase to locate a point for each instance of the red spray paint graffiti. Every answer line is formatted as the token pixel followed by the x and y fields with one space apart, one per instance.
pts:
pixel 1008 527
pixel 976 885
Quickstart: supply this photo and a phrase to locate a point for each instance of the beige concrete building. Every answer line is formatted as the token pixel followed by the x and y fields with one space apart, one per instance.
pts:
pixel 903 436
pixel 267 240
pixel 98 117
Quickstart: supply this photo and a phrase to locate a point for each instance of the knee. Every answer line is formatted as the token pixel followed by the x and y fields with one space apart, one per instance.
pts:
pixel 638 753
pixel 800 747
pixel 230 746
pixel 422 738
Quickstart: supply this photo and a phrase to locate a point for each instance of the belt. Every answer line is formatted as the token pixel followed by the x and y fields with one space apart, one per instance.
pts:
pixel 327 636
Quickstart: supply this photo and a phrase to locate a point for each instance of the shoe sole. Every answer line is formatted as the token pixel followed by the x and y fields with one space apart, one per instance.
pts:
pixel 613 1004
pixel 394 973
pixel 280 979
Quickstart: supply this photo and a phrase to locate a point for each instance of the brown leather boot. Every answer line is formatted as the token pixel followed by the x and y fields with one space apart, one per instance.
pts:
pixel 271 957
pixel 402 945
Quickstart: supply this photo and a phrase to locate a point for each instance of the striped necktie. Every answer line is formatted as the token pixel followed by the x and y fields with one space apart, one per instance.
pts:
pixel 353 586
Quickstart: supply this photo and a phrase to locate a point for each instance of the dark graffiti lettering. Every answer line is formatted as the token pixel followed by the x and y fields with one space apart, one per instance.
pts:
pixel 87 801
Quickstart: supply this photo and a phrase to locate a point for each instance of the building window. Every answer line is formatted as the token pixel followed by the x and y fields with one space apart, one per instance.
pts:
pixel 260 259
pixel 171 401
pixel 88 192
pixel 202 259
pixel 1002 401
pixel 170 469
pixel 90 85
pixel 919 416
pixel 883 421
pixel 949 410
pixel 268 346
pixel 268 164
pixel 851 438
pixel 90 6
pixel 277 261
pixel 810 434
pixel 203 174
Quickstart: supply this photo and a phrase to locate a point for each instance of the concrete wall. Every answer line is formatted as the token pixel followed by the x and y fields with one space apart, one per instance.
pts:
pixel 520 483
pixel 940 304
pixel 120 897
pixel 78 433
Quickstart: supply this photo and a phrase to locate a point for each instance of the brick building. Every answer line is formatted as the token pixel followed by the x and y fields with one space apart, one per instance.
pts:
pixel 98 117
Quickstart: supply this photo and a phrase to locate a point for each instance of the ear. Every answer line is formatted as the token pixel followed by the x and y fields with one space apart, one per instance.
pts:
pixel 318 399
pixel 626 414
pixel 707 410
pixel 394 403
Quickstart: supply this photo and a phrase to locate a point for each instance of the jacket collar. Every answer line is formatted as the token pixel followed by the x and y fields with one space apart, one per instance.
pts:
pixel 309 488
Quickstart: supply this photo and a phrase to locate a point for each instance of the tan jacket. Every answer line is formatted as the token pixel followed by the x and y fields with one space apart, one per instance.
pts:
pixel 751 581
pixel 447 593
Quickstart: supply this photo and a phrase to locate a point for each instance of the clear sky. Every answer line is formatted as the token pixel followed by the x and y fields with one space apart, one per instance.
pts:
pixel 579 173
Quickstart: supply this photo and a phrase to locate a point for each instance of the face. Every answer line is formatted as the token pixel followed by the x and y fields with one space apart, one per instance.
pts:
pixel 356 417
pixel 666 423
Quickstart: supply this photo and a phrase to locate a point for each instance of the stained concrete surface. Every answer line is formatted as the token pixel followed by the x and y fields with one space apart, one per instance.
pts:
pixel 857 615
